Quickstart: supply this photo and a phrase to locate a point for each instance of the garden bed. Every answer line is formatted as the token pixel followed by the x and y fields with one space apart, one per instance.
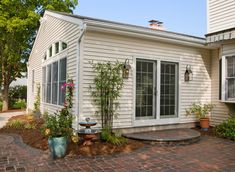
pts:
pixel 34 138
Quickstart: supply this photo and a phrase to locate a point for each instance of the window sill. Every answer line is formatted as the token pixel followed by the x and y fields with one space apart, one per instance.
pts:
pixel 164 121
pixel 227 101
pixel 52 105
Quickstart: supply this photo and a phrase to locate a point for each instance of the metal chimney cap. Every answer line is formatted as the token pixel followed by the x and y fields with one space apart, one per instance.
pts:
pixel 153 21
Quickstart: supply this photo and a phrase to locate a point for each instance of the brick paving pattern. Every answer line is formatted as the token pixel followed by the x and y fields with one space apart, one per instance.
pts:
pixel 210 154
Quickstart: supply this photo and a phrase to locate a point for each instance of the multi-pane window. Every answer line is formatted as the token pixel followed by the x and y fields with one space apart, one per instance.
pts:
pixel 150 78
pixel 62 80
pixel 57 48
pixel 145 89
pixel 54 77
pixel 55 82
pixel 230 78
pixel 168 95
pixel 48 95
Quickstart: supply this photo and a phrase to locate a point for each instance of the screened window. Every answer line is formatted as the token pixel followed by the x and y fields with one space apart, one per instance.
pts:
pixel 62 80
pixel 54 76
pixel 168 95
pixel 230 78
pixel 48 96
pixel 55 83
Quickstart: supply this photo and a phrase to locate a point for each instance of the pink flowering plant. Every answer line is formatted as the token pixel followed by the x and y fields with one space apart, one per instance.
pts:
pixel 69 86
pixel 60 123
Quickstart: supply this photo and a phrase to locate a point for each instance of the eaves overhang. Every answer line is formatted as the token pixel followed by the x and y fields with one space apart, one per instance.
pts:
pixel 107 26
pixel 220 36
pixel 142 32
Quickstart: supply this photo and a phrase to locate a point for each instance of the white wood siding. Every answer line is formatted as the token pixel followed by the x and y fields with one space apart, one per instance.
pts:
pixel 220 112
pixel 101 47
pixel 220 15
pixel 53 30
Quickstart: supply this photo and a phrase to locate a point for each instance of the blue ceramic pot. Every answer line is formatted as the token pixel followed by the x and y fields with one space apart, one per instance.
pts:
pixel 58 146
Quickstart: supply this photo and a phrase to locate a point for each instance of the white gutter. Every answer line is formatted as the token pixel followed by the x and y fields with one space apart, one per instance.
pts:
pixel 82 31
pixel 164 36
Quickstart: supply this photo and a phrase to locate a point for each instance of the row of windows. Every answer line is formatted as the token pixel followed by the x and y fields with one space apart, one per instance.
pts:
pixel 55 49
pixel 53 78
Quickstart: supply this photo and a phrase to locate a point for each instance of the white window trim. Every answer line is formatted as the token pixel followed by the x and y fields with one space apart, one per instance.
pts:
pixel 54 54
pixel 223 83
pixel 157 120
pixel 57 58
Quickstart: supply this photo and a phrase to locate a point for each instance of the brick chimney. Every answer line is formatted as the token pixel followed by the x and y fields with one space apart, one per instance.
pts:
pixel 156 25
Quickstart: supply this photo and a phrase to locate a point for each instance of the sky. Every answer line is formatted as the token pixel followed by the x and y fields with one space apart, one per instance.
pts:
pixel 182 16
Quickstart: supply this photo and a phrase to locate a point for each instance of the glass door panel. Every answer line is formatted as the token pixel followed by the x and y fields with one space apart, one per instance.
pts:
pixel 169 90
pixel 145 89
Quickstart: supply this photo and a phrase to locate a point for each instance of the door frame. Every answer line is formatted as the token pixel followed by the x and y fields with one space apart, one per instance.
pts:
pixel 157 120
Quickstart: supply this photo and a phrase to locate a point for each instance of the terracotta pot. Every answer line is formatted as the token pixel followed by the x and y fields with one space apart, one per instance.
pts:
pixel 204 123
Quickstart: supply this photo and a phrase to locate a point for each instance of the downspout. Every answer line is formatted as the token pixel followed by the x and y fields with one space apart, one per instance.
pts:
pixel 77 84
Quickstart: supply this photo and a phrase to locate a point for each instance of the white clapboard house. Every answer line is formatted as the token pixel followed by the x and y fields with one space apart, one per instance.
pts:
pixel 159 61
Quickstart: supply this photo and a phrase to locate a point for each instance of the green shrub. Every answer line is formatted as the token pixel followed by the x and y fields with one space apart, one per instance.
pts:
pixel 226 129
pixel 20 104
pixel 30 126
pixel 107 136
pixel 16 124
pixel 15 93
pixel 1 104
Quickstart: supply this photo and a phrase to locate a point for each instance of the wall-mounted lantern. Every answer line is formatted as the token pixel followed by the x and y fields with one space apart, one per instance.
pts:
pixel 188 75
pixel 126 69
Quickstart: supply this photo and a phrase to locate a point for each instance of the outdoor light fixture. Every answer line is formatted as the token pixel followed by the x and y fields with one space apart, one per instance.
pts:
pixel 126 69
pixel 188 75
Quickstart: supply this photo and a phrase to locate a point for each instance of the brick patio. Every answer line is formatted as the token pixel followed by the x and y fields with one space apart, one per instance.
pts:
pixel 210 154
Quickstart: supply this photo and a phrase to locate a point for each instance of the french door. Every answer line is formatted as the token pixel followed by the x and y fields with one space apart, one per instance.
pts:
pixel 156 89
pixel 145 89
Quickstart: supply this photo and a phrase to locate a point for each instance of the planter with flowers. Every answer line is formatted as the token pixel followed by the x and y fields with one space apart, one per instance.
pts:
pixel 201 111
pixel 58 126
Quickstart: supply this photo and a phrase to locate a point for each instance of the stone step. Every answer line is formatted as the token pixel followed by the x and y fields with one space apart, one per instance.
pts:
pixel 173 136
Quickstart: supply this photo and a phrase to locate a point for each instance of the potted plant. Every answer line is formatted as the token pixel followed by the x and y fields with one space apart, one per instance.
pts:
pixel 201 111
pixel 58 129
pixel 58 126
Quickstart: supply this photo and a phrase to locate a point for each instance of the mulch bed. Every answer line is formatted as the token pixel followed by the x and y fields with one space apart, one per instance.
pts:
pixel 34 138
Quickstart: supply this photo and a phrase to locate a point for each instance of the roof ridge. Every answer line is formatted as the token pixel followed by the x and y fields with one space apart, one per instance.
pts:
pixel 120 23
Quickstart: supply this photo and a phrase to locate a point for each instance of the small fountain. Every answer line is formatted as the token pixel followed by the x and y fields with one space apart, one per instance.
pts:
pixel 87 133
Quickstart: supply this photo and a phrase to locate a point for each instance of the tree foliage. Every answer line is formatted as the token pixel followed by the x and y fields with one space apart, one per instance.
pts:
pixel 19 21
